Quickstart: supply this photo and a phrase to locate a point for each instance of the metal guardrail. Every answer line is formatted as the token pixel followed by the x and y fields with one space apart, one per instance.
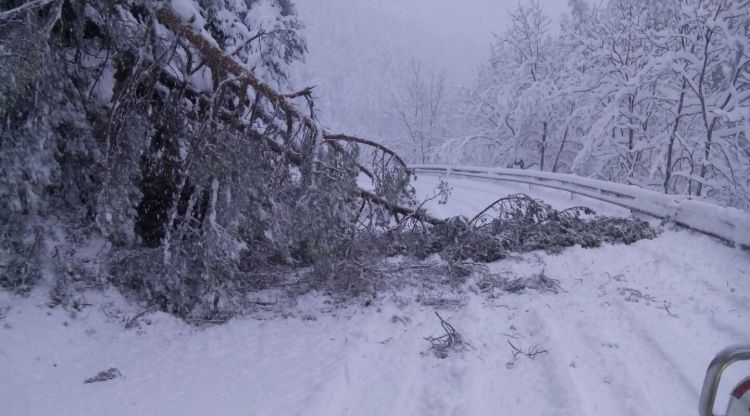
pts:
pixel 728 224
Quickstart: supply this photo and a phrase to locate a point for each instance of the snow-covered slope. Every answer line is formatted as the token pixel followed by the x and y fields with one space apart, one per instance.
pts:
pixel 630 333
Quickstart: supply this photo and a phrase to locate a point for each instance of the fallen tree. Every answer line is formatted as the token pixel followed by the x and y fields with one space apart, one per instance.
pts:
pixel 221 63
pixel 151 148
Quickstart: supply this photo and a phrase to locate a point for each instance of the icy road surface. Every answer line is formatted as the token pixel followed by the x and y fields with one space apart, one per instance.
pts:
pixel 631 334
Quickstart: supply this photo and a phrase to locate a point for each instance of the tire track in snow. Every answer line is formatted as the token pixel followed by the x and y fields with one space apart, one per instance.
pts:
pixel 686 292
pixel 524 389
pixel 559 381
pixel 661 367
pixel 449 386
pixel 656 366
pixel 610 388
pixel 685 267
pixel 540 387
pixel 367 377
pixel 302 367
pixel 485 387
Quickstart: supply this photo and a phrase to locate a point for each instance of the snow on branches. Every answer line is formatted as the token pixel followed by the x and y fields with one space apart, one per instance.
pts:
pixel 149 145
pixel 651 93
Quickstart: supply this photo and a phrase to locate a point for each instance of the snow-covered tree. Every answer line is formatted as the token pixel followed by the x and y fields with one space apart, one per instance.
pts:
pixel 163 138
pixel 652 93
pixel 420 110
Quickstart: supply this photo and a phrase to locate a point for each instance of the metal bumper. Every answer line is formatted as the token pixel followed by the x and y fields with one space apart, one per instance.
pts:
pixel 713 376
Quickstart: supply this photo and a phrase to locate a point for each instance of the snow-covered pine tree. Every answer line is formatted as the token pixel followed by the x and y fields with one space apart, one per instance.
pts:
pixel 148 144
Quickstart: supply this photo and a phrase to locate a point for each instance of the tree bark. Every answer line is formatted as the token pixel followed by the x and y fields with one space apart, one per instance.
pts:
pixel 543 147
pixel 672 138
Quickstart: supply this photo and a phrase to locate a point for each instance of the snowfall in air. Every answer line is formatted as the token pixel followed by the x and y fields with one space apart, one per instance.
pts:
pixel 206 206
pixel 630 332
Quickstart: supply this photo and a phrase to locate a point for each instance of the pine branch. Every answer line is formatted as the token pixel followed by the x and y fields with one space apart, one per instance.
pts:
pixel 343 137
pixel 220 62
pixel 396 209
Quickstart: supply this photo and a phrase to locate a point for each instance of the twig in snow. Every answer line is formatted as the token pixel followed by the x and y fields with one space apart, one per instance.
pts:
pixel 207 321
pixel 105 375
pixel 134 320
pixel 666 307
pixel 492 305
pixel 262 303
pixel 530 353
pixel 451 340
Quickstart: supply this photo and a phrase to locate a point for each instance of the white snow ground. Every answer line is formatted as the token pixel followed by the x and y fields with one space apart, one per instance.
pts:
pixel 607 353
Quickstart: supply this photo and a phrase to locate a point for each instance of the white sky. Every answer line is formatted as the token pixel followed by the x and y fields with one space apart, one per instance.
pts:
pixel 359 49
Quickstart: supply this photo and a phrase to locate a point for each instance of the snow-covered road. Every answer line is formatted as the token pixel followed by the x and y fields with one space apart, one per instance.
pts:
pixel 630 334
pixel 469 196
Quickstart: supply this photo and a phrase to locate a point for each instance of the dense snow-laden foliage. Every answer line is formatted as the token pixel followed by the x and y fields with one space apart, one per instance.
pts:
pixel 653 93
pixel 146 144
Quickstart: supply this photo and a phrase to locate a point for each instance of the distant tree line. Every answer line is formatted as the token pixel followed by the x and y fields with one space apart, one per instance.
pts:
pixel 652 93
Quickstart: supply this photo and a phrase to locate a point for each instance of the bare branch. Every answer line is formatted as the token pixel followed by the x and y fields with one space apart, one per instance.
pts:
pixel 342 137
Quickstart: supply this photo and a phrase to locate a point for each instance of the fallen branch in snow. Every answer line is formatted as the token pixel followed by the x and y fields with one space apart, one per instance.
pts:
pixel 530 353
pixel 516 206
pixel 207 321
pixel 540 282
pixel 521 224
pixel 131 322
pixel 106 375
pixel 450 341
pixel 666 306
pixel 506 281
pixel 420 215
pixel 441 193
pixel 263 303
pixel 441 302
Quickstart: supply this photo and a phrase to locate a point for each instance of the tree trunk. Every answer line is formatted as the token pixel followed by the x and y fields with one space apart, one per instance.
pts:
pixel 543 147
pixel 559 152
pixel 564 139
pixel 672 138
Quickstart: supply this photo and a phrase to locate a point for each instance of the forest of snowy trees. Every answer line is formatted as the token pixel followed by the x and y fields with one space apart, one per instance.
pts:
pixel 161 147
pixel 650 93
